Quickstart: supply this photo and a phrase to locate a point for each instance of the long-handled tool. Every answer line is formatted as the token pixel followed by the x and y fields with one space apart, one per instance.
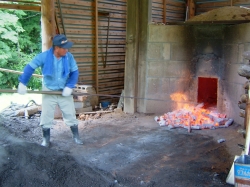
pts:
pixel 42 92
pixel 74 93
pixel 18 72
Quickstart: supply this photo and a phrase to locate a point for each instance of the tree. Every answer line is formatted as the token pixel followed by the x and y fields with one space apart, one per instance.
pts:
pixel 20 41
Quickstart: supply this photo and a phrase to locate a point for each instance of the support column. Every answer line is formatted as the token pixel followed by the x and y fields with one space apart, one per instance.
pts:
pixel 138 17
pixel 48 23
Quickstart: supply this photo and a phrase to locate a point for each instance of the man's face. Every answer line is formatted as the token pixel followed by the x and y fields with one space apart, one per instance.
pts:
pixel 60 52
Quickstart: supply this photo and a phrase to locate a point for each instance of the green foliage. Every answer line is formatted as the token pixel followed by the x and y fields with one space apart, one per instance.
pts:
pixel 20 41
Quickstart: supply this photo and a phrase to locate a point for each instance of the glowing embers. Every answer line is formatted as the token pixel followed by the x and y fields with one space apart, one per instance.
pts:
pixel 192 117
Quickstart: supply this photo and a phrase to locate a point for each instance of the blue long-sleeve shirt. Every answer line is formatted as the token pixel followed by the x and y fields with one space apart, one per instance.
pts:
pixel 56 81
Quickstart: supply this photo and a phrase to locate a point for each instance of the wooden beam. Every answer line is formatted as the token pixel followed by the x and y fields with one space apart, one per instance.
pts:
pixel 48 23
pixel 96 46
pixel 20 7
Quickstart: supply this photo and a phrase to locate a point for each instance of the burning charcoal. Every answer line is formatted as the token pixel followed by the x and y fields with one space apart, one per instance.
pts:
pixel 195 127
pixel 162 123
pixel 228 123
pixel 207 126
pixel 156 118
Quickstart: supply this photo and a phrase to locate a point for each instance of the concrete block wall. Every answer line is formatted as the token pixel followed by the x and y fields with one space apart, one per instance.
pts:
pixel 236 41
pixel 168 64
pixel 170 67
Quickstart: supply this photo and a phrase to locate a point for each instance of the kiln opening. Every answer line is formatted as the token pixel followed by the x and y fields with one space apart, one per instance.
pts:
pixel 207 91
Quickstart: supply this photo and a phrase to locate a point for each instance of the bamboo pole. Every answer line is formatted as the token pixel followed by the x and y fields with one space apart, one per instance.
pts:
pixel 247 121
pixel 18 72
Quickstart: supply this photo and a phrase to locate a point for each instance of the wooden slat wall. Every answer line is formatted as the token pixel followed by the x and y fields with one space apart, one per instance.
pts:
pixel 203 6
pixel 175 10
pixel 79 22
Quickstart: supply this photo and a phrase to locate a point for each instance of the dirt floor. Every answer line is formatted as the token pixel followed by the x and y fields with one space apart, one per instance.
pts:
pixel 119 150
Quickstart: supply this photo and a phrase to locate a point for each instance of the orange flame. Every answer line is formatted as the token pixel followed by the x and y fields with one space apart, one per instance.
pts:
pixel 189 115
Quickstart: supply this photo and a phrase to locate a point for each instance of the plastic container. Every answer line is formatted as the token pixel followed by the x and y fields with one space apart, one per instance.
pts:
pixel 105 104
pixel 242 171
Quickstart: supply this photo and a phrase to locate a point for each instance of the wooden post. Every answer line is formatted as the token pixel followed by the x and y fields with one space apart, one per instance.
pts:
pixel 191 8
pixel 48 23
pixel 96 46
pixel 164 11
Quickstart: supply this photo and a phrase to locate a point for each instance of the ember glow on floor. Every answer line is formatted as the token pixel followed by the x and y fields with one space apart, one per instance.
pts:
pixel 193 117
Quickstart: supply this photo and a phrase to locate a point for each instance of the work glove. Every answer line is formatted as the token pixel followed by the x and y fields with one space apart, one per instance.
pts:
pixel 22 89
pixel 67 92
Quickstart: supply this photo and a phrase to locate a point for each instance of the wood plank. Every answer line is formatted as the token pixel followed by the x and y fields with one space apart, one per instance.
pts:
pixel 112 92
pixel 170 9
pixel 20 7
pixel 81 12
pixel 90 4
pixel 116 2
pixel 112 7
pixel 88 50
pixel 111 88
pixel 88 16
pixel 168 3
pixel 108 67
pixel 90 27
pixel 81 41
pixel 90 77
pixel 87 31
pixel 213 4
pixel 110 58
pixel 89 22
pixel 78 3
pixel 173 15
pixel 111 83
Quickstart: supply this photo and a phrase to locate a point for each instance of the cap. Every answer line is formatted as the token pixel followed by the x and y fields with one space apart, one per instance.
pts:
pixel 60 40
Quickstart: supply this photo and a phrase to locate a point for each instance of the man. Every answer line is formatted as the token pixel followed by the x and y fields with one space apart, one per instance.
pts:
pixel 60 73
